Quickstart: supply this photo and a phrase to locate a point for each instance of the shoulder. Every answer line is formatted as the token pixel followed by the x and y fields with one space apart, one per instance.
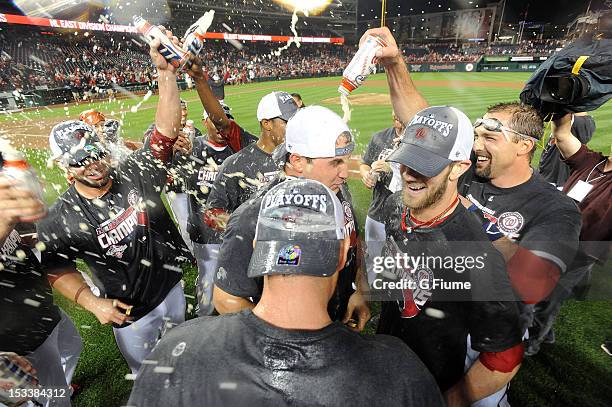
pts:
pixel 556 200
pixel 58 210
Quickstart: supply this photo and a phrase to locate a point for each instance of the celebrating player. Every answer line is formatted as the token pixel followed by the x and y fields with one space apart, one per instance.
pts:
pixel 286 350
pixel 115 220
pixel 318 146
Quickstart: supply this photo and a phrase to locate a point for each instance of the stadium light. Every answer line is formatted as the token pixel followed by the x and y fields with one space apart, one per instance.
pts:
pixel 311 7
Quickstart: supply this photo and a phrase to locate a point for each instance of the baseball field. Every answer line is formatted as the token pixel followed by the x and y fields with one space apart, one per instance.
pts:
pixel 574 371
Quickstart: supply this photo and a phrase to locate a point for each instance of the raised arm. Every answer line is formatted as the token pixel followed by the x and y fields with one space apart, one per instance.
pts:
pixel 565 141
pixel 405 97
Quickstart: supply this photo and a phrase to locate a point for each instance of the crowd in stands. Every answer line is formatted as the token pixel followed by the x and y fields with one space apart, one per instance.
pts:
pixel 91 64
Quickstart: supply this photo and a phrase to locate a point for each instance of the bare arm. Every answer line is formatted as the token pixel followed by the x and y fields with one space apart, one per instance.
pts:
pixel 17 205
pixel 405 98
pixel 168 114
pixel 106 310
pixel 226 303
pixel 566 142
pixel 478 383
pixel 208 99
pixel 368 181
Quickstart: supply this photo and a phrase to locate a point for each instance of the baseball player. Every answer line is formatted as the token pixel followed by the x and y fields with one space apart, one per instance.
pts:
pixel 537 242
pixel 32 325
pixel 318 146
pixel 251 168
pixel 109 131
pixel 115 221
pixel 378 175
pixel 287 350
pixel 437 312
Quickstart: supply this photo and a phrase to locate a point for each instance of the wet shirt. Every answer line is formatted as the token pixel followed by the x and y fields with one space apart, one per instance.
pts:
pixel 241 360
pixel 126 237
pixel 27 312
pixel 379 148
pixel 237 248
pixel 435 320
pixel 535 215
pixel 240 176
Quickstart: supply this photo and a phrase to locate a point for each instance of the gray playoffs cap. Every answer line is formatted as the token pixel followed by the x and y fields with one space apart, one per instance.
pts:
pixel 276 104
pixel 299 230
pixel 434 138
pixel 73 141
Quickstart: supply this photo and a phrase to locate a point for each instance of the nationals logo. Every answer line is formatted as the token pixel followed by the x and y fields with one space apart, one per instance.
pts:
pixel 510 222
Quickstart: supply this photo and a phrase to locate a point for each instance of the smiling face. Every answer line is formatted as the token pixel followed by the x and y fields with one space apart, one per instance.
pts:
pixel 420 192
pixel 94 174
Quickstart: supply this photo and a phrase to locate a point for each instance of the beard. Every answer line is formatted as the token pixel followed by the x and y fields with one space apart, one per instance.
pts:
pixel 431 197
pixel 484 172
pixel 94 183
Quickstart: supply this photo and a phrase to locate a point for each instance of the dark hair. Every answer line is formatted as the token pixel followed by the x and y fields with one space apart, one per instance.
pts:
pixel 524 119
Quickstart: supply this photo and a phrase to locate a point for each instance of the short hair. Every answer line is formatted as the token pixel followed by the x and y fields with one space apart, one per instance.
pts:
pixel 297 95
pixel 524 119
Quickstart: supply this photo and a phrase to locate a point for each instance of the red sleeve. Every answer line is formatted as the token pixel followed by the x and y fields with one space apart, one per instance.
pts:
pixel 532 277
pixel 232 136
pixel 505 361
pixel 161 146
pixel 226 76
pixel 584 158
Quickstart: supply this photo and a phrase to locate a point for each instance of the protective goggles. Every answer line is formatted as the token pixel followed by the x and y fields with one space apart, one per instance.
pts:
pixel 494 125
pixel 88 160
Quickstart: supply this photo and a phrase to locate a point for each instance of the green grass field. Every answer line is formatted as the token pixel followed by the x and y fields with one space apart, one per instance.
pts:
pixel 572 372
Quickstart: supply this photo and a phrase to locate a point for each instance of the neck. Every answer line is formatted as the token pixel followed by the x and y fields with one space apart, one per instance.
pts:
pixel 511 177
pixel 265 143
pixel 441 208
pixel 92 192
pixel 293 306
pixel 608 165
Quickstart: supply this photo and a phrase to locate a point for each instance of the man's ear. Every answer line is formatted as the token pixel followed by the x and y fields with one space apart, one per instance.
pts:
pixel 266 124
pixel 458 169
pixel 525 146
pixel 297 162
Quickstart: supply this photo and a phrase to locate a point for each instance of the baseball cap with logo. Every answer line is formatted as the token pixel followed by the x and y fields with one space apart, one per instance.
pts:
pixel 276 104
pixel 299 230
pixel 73 141
pixel 434 138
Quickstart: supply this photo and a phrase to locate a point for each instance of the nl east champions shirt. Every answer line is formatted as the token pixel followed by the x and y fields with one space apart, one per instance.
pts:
pixel 125 237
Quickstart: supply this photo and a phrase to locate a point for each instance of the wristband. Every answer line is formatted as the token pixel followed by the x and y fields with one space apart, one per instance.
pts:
pixel 79 291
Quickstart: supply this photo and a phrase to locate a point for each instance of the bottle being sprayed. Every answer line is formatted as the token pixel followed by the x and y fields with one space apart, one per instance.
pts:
pixel 17 168
pixel 361 66
pixel 189 130
pixel 174 54
pixel 194 36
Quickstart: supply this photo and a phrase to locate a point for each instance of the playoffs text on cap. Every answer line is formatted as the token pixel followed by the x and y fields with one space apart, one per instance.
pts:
pixel 276 104
pixel 434 138
pixel 299 230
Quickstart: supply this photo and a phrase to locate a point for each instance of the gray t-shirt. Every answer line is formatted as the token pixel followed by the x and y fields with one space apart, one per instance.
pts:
pixel 241 360
pixel 379 148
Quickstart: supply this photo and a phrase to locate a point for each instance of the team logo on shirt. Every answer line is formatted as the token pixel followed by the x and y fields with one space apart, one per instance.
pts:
pixel 206 176
pixel 114 231
pixel 133 197
pixel 415 299
pixel 386 152
pixel 289 255
pixel 510 222
pixel 349 221
pixel 116 250
pixel 11 243
pixel 267 176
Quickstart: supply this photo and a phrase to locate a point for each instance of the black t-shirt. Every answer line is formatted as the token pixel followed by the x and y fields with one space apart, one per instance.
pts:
pixel 176 172
pixel 237 248
pixel 552 167
pixel 240 176
pixel 535 215
pixel 126 237
pixel 27 312
pixel 379 148
pixel 241 360
pixel 201 172
pixel 435 320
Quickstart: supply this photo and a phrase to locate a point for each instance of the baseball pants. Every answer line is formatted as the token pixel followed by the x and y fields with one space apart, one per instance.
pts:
pixel 56 359
pixel 138 339
pixel 206 256
pixel 375 239
pixel 180 210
